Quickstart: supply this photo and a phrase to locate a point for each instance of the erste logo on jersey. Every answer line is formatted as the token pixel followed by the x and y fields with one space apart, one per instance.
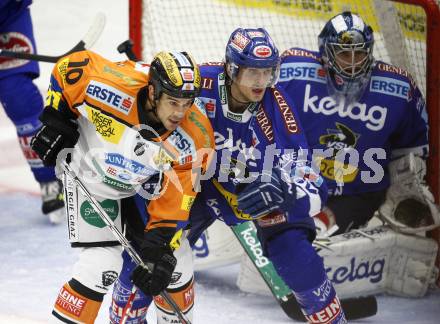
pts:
pixel 184 143
pixel 110 96
pixel 390 87
pixel 302 71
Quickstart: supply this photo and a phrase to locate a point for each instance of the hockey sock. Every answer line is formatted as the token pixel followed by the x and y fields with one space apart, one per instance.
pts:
pixel 121 293
pixel 138 311
pixel 184 298
pixel 303 270
pixel 23 104
pixel 77 304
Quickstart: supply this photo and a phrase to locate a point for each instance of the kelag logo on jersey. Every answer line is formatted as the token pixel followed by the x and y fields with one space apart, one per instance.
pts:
pixel 302 71
pixel 110 96
pixel 372 116
pixel 390 87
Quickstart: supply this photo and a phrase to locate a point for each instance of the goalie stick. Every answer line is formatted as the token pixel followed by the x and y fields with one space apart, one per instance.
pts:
pixel 86 42
pixel 354 308
pixel 121 238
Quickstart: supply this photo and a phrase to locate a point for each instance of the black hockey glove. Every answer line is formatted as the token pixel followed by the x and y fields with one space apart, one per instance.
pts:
pixel 260 198
pixel 161 262
pixel 56 134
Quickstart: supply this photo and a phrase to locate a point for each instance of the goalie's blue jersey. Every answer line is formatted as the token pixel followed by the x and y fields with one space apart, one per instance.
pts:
pixel 245 143
pixel 388 121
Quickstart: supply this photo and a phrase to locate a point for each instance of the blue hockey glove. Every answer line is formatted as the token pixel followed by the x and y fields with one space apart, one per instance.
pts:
pixel 260 198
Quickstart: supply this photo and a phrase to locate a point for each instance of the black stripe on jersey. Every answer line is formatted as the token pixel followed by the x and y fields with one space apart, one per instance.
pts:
pixel 85 291
pixel 170 290
pixel 165 221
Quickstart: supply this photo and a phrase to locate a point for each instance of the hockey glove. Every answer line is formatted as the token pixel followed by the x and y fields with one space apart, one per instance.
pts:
pixel 56 134
pixel 161 261
pixel 260 198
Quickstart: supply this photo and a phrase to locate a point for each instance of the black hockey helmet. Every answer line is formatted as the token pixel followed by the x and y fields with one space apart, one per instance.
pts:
pixel 176 74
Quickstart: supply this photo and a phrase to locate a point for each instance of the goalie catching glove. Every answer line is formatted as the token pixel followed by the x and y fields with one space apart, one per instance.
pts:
pixel 56 134
pixel 409 207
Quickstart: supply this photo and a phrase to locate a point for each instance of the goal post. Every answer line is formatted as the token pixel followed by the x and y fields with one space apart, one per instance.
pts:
pixel 407 34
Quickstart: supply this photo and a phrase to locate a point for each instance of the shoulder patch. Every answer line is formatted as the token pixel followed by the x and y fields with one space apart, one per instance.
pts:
pixel 286 112
pixel 390 86
pixel 200 105
pixel 302 71
pixel 110 96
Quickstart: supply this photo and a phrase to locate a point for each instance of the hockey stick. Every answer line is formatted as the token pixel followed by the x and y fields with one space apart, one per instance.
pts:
pixel 120 237
pixel 354 308
pixel 86 42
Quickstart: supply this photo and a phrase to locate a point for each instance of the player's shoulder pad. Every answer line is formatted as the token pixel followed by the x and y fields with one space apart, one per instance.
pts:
pixel 296 54
pixel 211 69
pixel 284 108
pixel 393 72
pixel 73 67
pixel 199 127
pixel 392 80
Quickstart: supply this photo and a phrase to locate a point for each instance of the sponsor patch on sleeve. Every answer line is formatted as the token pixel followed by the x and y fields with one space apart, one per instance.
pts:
pixel 390 86
pixel 110 96
pixel 302 71
pixel 187 202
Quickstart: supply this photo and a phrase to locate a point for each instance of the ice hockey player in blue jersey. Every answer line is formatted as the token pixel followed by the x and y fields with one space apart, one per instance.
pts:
pixel 261 172
pixel 22 100
pixel 362 114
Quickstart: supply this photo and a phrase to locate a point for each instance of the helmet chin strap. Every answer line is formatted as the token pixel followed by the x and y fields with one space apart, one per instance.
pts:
pixel 237 104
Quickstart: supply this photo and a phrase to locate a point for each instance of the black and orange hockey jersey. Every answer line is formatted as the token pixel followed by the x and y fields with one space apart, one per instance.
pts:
pixel 111 157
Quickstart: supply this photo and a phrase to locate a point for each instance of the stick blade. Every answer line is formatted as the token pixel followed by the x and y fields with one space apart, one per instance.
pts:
pixel 95 30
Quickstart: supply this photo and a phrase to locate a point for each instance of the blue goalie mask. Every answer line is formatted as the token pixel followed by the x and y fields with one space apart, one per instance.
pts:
pixel 346 46
pixel 252 51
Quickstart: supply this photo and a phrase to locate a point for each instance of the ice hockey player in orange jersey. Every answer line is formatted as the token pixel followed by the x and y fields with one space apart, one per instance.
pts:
pixel 138 140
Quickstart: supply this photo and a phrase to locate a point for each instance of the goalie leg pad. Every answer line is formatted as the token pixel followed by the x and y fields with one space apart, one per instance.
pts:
pixel 382 261
pixel 77 304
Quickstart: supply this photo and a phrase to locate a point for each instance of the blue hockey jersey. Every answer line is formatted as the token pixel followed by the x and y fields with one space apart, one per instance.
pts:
pixel 361 138
pixel 266 135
